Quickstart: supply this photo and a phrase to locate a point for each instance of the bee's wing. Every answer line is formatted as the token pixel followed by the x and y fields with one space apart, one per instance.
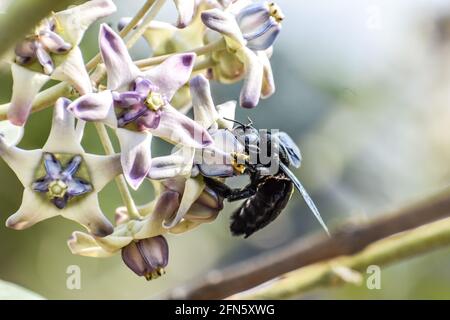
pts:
pixel 292 150
pixel 305 196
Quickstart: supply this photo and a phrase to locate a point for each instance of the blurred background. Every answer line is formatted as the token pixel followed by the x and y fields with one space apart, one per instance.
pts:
pixel 363 86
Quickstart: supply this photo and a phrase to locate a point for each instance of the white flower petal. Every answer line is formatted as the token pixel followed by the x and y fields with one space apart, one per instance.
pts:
pixel 32 210
pixel 11 134
pixel 120 67
pixel 205 112
pixel 226 110
pixel 184 226
pixel 166 207
pixel 87 212
pixel 251 89
pixel 22 162
pixel 192 190
pixel 102 169
pixel 173 73
pixel 75 20
pixel 84 244
pixel 26 85
pixel 177 164
pixel 268 85
pixel 63 137
pixel 226 24
pixel 185 12
pixel 135 155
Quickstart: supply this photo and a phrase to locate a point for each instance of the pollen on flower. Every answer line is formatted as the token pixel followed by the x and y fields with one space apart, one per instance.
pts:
pixel 238 161
pixel 154 101
pixel 275 12
pixel 57 189
pixel 155 274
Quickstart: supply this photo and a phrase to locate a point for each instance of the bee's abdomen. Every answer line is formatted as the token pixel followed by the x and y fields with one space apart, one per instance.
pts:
pixel 258 211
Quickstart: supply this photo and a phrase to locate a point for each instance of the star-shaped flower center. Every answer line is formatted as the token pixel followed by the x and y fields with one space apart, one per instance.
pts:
pixel 40 46
pixel 57 189
pixel 61 183
pixel 140 107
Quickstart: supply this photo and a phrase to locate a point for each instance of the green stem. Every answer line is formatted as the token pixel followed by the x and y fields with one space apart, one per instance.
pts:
pixel 44 99
pixel 120 180
pixel 213 46
pixel 384 252
pixel 124 32
pixel 144 25
pixel 47 98
pixel 204 64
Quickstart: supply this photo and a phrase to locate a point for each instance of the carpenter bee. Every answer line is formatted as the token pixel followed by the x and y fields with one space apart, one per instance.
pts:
pixel 271 182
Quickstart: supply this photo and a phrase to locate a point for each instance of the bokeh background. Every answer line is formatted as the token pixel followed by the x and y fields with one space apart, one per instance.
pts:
pixel 363 86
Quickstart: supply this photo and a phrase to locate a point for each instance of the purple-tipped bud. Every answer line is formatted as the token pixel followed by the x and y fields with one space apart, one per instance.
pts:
pixel 45 60
pixel 148 257
pixel 260 24
pixel 53 42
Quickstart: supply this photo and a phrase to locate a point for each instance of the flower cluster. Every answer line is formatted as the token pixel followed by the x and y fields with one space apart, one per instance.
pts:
pixel 225 41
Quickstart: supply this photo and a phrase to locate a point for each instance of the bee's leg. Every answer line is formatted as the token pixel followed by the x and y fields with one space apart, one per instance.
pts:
pixel 226 192
pixel 218 187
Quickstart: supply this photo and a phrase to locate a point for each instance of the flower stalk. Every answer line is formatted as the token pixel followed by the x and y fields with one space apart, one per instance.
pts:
pixel 120 180
pixel 156 7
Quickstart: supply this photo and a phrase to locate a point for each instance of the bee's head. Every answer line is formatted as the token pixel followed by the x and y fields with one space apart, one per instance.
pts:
pixel 246 134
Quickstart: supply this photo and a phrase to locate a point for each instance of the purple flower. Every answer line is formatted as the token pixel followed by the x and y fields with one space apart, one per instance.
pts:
pixel 148 257
pixel 59 183
pixel 61 178
pixel 52 52
pixel 137 104
pixel 249 33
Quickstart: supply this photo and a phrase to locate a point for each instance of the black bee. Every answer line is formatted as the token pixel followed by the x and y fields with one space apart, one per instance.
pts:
pixel 269 190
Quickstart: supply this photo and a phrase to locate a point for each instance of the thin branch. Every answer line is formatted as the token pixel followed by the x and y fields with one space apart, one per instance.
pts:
pixel 336 271
pixel 23 15
pixel 133 23
pixel 347 241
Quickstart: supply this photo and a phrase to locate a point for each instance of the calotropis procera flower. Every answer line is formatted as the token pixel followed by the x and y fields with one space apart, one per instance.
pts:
pixel 218 160
pixel 186 11
pixel 199 206
pixel 137 104
pixel 249 33
pixel 61 179
pixel 52 52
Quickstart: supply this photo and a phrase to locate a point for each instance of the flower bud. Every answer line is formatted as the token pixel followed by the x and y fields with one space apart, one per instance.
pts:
pixel 147 257
pixel 260 24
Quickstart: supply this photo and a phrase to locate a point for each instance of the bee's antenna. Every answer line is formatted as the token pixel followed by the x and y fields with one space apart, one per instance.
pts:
pixel 235 121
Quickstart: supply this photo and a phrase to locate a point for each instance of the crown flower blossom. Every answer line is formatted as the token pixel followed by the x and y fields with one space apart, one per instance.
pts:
pixel 181 204
pixel 249 32
pixel 52 52
pixel 148 257
pixel 137 105
pixel 61 179
pixel 130 102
